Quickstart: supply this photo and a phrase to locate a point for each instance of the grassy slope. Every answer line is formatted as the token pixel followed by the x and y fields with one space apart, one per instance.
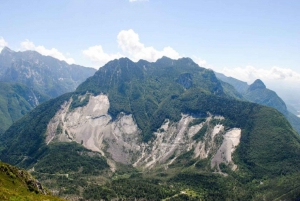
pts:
pixel 16 184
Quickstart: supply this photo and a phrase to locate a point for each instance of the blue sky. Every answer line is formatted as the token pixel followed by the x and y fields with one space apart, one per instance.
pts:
pixel 245 39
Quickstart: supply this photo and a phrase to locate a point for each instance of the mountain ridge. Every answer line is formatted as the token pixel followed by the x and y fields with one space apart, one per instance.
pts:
pixel 34 70
pixel 152 126
pixel 258 93
pixel 29 78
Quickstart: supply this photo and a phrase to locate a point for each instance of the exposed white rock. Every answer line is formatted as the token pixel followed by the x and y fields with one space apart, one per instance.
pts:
pixel 217 129
pixel 194 129
pixel 230 142
pixel 219 117
pixel 170 139
pixel 119 140
pixel 91 125
pixel 205 147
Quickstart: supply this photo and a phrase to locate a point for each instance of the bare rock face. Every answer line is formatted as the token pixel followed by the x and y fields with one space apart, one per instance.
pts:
pixel 230 142
pixel 171 139
pixel 119 140
pixel 93 127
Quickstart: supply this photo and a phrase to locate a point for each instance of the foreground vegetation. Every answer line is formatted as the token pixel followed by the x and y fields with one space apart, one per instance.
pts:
pixel 16 184
pixel 181 181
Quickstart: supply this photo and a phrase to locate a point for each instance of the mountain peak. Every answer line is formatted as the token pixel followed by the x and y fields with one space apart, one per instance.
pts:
pixel 257 84
pixel 165 61
pixel 6 50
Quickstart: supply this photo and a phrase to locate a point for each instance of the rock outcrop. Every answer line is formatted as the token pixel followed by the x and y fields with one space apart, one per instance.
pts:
pixel 120 140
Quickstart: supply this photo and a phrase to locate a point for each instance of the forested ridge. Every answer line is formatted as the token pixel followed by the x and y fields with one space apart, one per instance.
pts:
pixel 267 156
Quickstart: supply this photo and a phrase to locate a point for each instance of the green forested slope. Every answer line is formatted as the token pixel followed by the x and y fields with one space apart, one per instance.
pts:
pixel 27 135
pixel 142 88
pixel 267 157
pixel 258 93
pixel 15 101
pixel 29 78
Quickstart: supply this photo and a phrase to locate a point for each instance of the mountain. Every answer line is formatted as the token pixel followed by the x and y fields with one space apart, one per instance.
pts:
pixel 17 184
pixel 15 101
pixel 258 93
pixel 239 85
pixel 157 130
pixel 28 78
pixel 292 109
pixel 42 73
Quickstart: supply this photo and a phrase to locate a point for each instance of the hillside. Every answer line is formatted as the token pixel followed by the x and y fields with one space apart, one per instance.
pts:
pixel 15 101
pixel 162 130
pixel 29 78
pixel 17 184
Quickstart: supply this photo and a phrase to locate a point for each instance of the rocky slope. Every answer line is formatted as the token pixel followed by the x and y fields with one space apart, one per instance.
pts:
pixel 162 130
pixel 120 139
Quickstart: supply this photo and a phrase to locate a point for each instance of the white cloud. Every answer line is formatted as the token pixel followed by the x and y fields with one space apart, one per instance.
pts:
pixel 250 73
pixel 199 61
pixel 132 48
pixel 98 56
pixel 130 43
pixel 28 45
pixel 3 43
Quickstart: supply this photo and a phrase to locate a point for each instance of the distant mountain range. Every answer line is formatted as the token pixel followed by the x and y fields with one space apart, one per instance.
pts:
pixel 29 78
pixel 258 93
pixel 45 74
pixel 164 130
